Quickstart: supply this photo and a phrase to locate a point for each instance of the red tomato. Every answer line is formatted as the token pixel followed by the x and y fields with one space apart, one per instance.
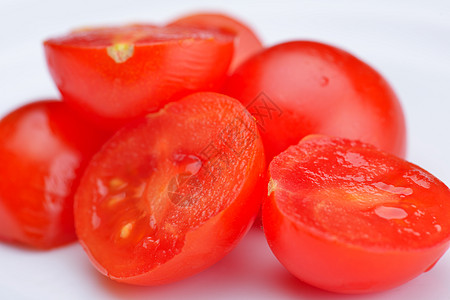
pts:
pixel 170 195
pixel 246 42
pixel 300 88
pixel 115 74
pixel 43 151
pixel 346 217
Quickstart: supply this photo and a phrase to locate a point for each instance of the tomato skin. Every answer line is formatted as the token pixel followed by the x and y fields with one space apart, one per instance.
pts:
pixel 116 74
pixel 301 87
pixel 44 148
pixel 337 267
pixel 189 237
pixel 247 42
pixel 329 260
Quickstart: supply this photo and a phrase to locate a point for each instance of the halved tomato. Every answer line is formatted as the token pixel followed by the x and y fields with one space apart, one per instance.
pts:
pixel 346 217
pixel 170 195
pixel 115 74
pixel 44 149
pixel 246 42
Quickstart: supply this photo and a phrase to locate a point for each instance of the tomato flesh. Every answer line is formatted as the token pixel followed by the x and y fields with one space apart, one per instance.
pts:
pixel 298 88
pixel 174 190
pixel 347 217
pixel 247 42
pixel 115 74
pixel 44 148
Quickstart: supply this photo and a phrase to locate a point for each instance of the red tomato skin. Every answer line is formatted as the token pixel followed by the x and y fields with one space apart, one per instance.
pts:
pixel 331 263
pixel 314 88
pixel 111 93
pixel 43 151
pixel 338 267
pixel 205 244
pixel 247 42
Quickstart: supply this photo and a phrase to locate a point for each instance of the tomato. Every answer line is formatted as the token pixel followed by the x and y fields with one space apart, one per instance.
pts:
pixel 247 42
pixel 44 148
pixel 346 217
pixel 299 88
pixel 170 195
pixel 116 74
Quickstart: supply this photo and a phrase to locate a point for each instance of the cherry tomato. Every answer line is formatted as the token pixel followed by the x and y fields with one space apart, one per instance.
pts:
pixel 247 42
pixel 116 74
pixel 299 88
pixel 170 195
pixel 44 148
pixel 346 217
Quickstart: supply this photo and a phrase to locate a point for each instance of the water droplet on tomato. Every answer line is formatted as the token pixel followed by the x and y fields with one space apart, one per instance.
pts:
pixel 150 243
pixel 190 164
pixel 411 231
pixel 390 213
pixel 355 159
pixel 324 81
pixel 182 188
pixel 418 213
pixel 397 190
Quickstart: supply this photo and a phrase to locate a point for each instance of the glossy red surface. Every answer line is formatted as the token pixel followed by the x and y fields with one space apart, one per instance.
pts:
pixel 170 195
pixel 299 88
pixel 246 42
pixel 115 74
pixel 346 217
pixel 43 151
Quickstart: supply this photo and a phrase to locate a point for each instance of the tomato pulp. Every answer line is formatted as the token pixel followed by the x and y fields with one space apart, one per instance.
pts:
pixel 115 74
pixel 170 195
pixel 44 148
pixel 346 217
pixel 299 88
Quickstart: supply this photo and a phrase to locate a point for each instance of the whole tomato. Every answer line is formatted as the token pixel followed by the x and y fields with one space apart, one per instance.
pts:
pixel 299 88
pixel 44 148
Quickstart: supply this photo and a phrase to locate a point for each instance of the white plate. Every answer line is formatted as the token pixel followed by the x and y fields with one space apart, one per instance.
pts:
pixel 408 42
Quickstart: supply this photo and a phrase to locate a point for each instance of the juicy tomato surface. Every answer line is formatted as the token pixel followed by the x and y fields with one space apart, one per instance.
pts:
pixel 346 217
pixel 43 151
pixel 170 195
pixel 299 88
pixel 115 74
pixel 247 42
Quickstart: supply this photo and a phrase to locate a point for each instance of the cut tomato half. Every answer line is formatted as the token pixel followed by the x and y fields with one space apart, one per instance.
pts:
pixel 172 194
pixel 347 217
pixel 115 74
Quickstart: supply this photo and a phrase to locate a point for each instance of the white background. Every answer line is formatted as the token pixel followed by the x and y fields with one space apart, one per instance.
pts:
pixel 407 41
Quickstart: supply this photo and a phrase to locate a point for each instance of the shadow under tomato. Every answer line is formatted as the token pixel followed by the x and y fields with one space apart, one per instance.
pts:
pixel 249 272
pixel 238 273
